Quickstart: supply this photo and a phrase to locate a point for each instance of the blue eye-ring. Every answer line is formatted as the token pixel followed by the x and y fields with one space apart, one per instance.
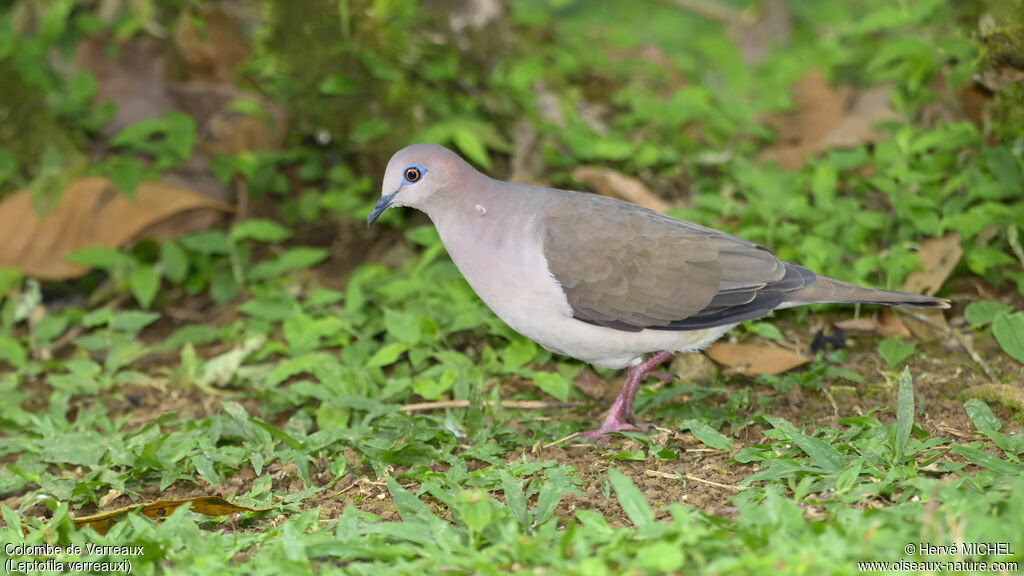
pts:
pixel 413 173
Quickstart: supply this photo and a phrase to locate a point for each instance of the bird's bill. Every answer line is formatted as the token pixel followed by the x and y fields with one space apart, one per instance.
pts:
pixel 383 204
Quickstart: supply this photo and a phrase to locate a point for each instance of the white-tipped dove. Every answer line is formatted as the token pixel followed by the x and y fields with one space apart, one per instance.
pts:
pixel 599 279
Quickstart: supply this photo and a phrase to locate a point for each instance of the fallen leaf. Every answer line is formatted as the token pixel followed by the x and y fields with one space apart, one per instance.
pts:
pixel 135 79
pixel 890 325
pixel 926 324
pixel 825 117
pixel 857 127
pixel 938 256
pixel 611 183
pixel 91 213
pixel 817 108
pixel 857 324
pixel 973 100
pixel 110 496
pixel 755 359
pixel 207 505
pixel 592 385
pixel 214 49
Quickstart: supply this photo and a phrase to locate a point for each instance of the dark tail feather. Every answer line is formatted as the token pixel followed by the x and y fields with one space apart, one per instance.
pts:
pixel 827 289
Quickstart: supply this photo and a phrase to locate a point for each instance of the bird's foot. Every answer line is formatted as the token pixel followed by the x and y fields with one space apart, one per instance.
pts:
pixel 663 376
pixel 620 416
pixel 616 421
pixel 603 434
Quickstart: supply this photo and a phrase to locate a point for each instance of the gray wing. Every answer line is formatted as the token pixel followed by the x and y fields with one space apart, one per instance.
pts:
pixel 629 268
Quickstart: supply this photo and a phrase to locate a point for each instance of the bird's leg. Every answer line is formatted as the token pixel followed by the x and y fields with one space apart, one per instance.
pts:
pixel 620 416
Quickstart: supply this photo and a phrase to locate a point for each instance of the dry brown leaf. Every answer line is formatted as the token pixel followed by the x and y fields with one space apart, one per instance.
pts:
pixel 939 256
pixel 858 125
pixel 611 183
pixel 857 324
pixel 592 385
pixel 214 49
pixel 110 496
pixel 818 108
pixel 207 505
pixel 91 213
pixel 755 359
pixel 890 325
pixel 135 79
pixel 929 327
pixel 826 117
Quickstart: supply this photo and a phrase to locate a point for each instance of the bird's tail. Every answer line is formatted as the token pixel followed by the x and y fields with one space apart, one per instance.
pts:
pixel 827 289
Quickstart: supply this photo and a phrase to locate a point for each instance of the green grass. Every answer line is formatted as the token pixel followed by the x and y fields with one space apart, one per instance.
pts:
pixel 297 388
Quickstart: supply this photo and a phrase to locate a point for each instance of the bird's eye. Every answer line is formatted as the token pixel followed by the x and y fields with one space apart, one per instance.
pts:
pixel 413 174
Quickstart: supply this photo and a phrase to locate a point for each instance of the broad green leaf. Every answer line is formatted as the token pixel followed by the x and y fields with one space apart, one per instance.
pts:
pixel 848 477
pixel 1009 332
pixel 474 508
pixel 821 452
pixel 207 242
pixel 411 508
pixel 553 383
pixel 518 352
pixel 132 322
pixel 982 417
pixel 904 413
pixel 144 282
pixel 895 351
pixel 288 261
pixel 107 259
pixel 632 500
pixel 706 434
pixel 515 499
pixel 387 354
pixel 126 173
pixel 662 556
pixel 555 486
pixel 978 456
pixel 984 312
pixel 470 144
pixel 174 261
pixel 260 230
pixel 402 326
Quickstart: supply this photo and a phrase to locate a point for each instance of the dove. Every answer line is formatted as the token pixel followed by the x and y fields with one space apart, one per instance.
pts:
pixel 598 279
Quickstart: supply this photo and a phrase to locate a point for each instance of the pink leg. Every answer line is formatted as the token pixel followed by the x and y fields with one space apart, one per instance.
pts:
pixel 620 417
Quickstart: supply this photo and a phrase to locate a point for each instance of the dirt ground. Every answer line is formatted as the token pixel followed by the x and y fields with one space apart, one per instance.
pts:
pixel 944 376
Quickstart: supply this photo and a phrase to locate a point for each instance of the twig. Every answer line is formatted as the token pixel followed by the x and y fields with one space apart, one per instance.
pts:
pixel 560 440
pixel 524 404
pixel 695 479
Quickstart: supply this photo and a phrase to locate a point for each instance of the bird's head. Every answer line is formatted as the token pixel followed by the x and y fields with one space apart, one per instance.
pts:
pixel 415 175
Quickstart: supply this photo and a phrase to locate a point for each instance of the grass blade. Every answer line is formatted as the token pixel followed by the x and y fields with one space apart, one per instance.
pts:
pixel 904 414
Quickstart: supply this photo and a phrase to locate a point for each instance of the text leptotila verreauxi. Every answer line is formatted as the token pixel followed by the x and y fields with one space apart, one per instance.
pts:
pixel 599 279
